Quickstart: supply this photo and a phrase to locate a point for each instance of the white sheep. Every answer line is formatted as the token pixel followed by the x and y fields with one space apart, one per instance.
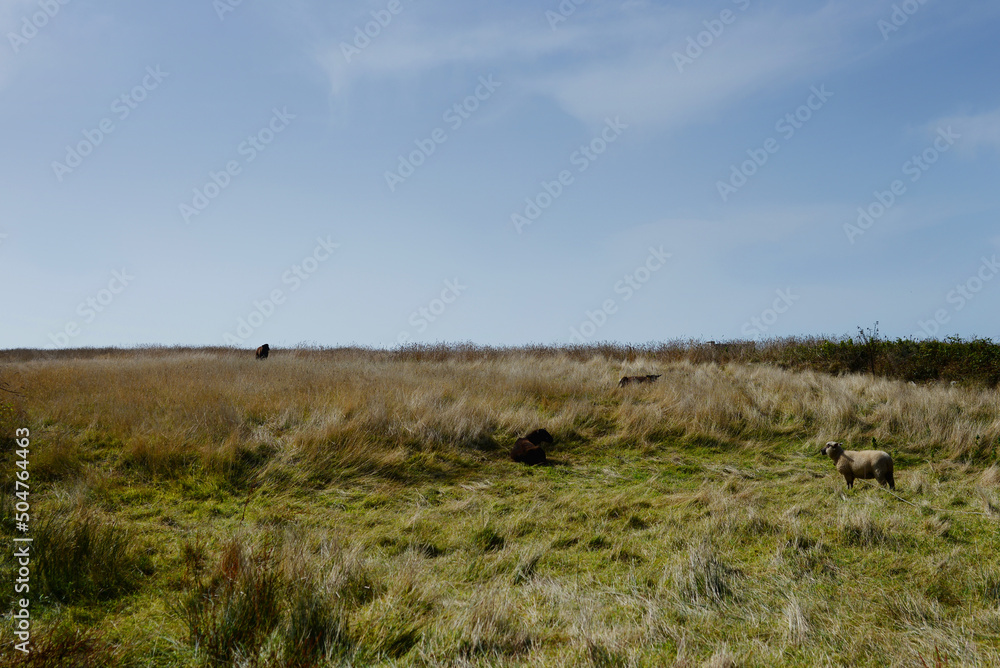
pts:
pixel 864 464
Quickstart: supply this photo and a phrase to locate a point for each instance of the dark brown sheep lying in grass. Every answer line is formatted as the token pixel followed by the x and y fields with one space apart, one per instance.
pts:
pixel 864 464
pixel 528 450
pixel 626 380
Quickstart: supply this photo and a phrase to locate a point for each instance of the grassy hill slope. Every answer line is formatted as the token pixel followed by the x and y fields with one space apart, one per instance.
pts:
pixel 328 508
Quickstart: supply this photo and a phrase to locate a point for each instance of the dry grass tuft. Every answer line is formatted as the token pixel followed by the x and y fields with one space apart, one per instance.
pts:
pixel 990 477
pixel 864 528
pixel 798 624
pixel 722 658
pixel 490 627
pixel 704 579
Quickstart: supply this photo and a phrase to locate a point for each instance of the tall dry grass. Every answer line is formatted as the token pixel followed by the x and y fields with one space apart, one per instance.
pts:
pixel 311 414
pixel 322 508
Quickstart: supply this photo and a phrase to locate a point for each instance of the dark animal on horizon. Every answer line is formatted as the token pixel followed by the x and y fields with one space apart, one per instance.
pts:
pixel 528 450
pixel 263 351
pixel 864 464
pixel 627 380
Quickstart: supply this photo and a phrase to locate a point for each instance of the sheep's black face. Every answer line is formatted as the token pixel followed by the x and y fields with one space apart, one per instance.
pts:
pixel 832 448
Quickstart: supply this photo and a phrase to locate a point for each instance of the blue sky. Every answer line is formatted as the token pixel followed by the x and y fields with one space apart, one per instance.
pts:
pixel 395 171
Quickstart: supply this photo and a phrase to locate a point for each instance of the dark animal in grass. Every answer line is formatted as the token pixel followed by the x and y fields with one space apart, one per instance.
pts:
pixel 528 450
pixel 263 351
pixel 864 464
pixel 628 380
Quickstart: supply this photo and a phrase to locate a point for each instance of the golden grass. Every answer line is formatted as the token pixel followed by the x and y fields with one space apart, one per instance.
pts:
pixel 198 405
pixel 367 505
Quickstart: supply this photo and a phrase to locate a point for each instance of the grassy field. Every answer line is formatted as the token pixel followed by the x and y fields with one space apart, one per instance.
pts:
pixel 357 508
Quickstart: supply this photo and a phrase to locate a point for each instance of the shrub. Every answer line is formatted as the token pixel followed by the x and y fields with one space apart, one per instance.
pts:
pixel 236 609
pixel 66 646
pixel 81 556
pixel 316 627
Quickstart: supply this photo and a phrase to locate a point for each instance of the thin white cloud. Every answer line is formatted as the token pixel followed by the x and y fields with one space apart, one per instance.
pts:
pixel 606 61
pixel 405 49
pixel 977 131
pixel 648 86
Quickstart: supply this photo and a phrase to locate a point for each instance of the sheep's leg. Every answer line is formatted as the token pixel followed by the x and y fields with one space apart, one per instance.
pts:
pixel 884 477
